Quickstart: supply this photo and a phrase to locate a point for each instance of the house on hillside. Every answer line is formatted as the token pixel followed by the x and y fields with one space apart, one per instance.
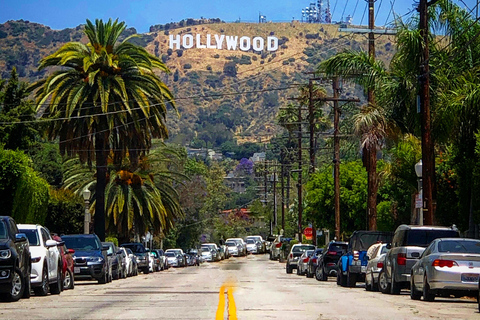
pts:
pixel 234 182
pixel 258 157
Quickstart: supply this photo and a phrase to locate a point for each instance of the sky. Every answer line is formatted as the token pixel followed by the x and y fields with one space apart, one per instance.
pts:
pixel 141 14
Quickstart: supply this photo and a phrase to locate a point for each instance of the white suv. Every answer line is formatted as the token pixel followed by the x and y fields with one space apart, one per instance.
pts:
pixel 46 260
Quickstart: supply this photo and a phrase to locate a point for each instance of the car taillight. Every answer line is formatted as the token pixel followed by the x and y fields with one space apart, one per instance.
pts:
pixel 314 260
pixel 291 255
pixel 356 255
pixel 330 264
pixel 278 245
pixel 402 259
pixel 333 253
pixel 305 260
pixel 444 263
pixel 379 265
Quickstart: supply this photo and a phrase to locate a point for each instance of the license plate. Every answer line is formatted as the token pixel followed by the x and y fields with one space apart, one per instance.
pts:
pixel 470 277
pixel 364 269
pixel 76 270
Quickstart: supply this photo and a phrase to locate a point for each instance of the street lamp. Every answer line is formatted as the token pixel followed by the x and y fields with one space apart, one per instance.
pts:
pixel 86 197
pixel 419 206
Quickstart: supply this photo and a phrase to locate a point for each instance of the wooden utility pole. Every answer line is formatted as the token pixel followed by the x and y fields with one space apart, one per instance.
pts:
pixel 311 122
pixel 299 183
pixel 336 160
pixel 428 156
pixel 282 174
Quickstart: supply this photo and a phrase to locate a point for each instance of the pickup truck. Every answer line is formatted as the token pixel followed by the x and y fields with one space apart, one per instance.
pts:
pixel 15 261
pixel 353 264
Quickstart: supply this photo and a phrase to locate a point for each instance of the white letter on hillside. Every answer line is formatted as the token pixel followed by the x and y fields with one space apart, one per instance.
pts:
pixel 188 45
pixel 209 42
pixel 245 43
pixel 199 45
pixel 258 44
pixel 232 42
pixel 219 41
pixel 173 41
pixel 272 46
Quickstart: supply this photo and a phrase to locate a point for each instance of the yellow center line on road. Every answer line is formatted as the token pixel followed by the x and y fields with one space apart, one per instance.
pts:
pixel 231 308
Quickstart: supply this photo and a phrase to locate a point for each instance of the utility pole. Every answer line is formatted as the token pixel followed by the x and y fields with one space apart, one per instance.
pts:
pixel 283 191
pixel 299 184
pixel 311 122
pixel 336 159
pixel 428 157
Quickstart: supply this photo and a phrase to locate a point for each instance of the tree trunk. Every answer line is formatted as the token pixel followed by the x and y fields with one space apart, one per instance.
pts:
pixel 101 163
pixel 372 189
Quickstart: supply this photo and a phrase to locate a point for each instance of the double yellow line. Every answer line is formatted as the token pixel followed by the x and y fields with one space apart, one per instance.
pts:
pixel 232 309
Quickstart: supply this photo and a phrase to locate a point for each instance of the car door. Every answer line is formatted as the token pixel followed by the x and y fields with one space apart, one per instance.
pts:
pixel 21 248
pixel 49 255
pixel 419 269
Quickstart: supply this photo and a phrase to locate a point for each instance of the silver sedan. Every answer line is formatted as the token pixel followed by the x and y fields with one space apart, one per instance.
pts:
pixel 376 258
pixel 449 266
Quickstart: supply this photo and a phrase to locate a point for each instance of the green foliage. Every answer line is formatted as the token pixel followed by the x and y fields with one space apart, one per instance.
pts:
pixel 48 162
pixel 112 239
pixel 66 212
pixel 230 69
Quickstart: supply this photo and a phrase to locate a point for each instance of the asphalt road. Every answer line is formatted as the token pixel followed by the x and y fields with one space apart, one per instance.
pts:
pixel 253 288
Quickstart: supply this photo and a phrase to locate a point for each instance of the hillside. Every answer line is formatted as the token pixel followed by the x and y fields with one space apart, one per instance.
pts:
pixel 220 93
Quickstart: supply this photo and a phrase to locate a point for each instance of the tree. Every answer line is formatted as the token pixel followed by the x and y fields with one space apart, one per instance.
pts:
pixel 105 97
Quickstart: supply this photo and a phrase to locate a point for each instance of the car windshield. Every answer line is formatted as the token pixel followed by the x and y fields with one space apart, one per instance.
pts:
pixel 459 246
pixel 250 241
pixel 205 249
pixel 170 254
pixel 32 236
pixel 338 247
pixel 422 238
pixel 137 248
pixel 303 248
pixel 3 230
pixel 81 243
pixel 230 244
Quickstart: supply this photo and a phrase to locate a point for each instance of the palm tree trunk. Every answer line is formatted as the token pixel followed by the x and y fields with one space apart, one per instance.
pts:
pixel 101 163
pixel 372 188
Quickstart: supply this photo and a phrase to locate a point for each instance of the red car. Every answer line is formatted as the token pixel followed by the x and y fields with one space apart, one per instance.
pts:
pixel 67 259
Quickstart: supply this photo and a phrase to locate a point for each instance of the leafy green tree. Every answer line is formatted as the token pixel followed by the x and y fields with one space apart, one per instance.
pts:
pixel 105 96
pixel 66 212
pixel 23 193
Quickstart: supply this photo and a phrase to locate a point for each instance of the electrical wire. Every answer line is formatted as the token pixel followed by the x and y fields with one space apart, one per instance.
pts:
pixel 378 10
pixel 392 4
pixel 364 11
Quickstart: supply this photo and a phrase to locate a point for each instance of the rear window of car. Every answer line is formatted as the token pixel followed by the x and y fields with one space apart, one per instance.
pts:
pixel 459 246
pixel 32 236
pixel 302 248
pixel 338 247
pixel 422 238
pixel 136 248
pixel 170 254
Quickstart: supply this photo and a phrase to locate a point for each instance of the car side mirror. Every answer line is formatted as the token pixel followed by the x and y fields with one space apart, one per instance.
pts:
pixel 389 246
pixel 50 243
pixel 119 252
pixel 110 254
pixel 19 237
pixel 105 248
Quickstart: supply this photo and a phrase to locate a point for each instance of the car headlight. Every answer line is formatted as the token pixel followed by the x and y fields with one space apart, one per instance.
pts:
pixel 5 254
pixel 94 259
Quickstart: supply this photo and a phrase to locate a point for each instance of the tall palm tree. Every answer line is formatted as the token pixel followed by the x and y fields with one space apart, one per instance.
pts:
pixel 105 96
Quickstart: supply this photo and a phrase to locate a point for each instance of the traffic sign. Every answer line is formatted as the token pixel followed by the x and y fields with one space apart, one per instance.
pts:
pixel 308 233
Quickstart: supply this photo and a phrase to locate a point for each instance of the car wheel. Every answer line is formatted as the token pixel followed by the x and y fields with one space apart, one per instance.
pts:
pixel 146 270
pixel 309 274
pixel 68 283
pixel 318 274
pixel 289 269
pixel 383 284
pixel 28 285
pixel 43 289
pixel 56 287
pixel 324 276
pixel 394 286
pixel 428 295
pixel 18 286
pixel 104 278
pixel 414 294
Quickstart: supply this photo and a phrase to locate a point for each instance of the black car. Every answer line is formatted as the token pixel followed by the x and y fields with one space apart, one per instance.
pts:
pixel 327 262
pixel 90 257
pixel 313 263
pixel 141 253
pixel 15 263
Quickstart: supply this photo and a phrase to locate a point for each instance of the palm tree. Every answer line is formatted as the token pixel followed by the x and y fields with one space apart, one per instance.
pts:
pixel 104 97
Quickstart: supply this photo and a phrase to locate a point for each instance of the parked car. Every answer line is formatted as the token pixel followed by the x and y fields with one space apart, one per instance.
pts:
pixel 313 263
pixel 252 246
pixel 181 260
pixel 275 247
pixel 141 255
pixel 448 266
pixel 67 263
pixel 132 269
pixel 242 246
pixel 172 258
pixel 353 264
pixel 127 263
pixel 376 259
pixel 232 248
pixel 303 262
pixel 295 252
pixel 214 249
pixel 408 244
pixel 328 260
pixel 90 257
pixel 153 261
pixel 15 261
pixel 195 260
pixel 207 254
pixel 160 255
pixel 259 242
pixel 46 270
pixel 114 260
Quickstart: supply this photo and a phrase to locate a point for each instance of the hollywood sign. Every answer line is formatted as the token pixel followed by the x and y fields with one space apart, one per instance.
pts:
pixel 222 41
